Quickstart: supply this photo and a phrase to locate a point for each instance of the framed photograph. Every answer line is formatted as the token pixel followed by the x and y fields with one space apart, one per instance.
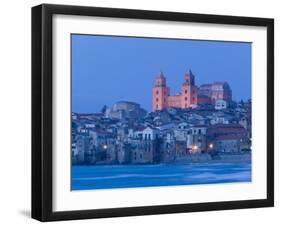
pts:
pixel 145 112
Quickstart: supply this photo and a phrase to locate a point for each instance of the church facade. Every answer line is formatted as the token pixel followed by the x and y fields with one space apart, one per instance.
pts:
pixel 187 97
pixel 190 96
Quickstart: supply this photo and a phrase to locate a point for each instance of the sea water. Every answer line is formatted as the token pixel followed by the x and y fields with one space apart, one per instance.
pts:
pixel 130 176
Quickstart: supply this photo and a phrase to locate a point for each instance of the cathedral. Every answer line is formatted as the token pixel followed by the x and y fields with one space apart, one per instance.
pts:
pixel 162 99
pixel 190 96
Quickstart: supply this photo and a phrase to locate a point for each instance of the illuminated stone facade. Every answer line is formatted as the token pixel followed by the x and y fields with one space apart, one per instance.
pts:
pixel 161 98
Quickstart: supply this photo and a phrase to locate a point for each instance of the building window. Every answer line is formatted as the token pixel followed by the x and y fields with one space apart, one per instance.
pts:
pixel 185 91
pixel 185 98
pixel 157 92
pixel 156 99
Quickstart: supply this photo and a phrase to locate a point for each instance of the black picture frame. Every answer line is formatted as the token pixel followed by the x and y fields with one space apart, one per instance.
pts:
pixel 42 111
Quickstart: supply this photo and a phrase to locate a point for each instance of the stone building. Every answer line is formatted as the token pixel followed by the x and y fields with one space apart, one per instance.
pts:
pixel 216 91
pixel 145 146
pixel 82 149
pixel 186 98
pixel 124 153
pixel 220 104
pixel 126 110
pixel 196 139
pixel 228 143
pixel 226 137
pixel 168 147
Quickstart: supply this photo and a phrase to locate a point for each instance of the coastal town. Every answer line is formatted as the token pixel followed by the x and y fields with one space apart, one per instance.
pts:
pixel 201 123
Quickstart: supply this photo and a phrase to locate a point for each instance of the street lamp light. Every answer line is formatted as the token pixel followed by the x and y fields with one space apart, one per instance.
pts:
pixel 211 146
pixel 195 148
pixel 104 146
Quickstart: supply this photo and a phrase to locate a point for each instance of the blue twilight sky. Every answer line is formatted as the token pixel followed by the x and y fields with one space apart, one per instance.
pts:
pixel 108 69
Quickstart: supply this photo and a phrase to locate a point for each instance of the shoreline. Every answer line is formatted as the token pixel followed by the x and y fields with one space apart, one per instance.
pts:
pixel 190 160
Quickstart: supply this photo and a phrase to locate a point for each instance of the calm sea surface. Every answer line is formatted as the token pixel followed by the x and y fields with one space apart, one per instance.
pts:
pixel 126 176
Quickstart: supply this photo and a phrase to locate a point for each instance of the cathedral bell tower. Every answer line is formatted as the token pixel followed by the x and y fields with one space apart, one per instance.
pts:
pixel 189 91
pixel 160 93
